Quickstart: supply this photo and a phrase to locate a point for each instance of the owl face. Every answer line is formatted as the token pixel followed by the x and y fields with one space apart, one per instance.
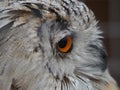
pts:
pixel 51 41
pixel 68 51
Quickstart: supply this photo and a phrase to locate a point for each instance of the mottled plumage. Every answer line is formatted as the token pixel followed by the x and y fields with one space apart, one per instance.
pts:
pixel 31 35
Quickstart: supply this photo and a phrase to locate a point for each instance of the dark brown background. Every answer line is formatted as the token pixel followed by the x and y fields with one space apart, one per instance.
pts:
pixel 108 14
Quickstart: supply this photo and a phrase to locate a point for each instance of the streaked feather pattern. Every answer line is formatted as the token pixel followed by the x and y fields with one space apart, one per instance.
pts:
pixel 29 31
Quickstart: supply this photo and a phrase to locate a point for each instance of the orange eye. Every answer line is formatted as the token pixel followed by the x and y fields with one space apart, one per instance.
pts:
pixel 65 44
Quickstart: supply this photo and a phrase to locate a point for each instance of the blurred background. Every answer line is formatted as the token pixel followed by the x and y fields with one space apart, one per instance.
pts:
pixel 108 14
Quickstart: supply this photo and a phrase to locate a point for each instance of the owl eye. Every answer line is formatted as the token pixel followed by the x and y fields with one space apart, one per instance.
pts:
pixel 65 44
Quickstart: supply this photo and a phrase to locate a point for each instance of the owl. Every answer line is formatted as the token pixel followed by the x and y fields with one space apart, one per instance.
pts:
pixel 52 45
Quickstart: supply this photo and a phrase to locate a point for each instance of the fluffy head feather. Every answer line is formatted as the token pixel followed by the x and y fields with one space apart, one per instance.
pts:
pixel 29 32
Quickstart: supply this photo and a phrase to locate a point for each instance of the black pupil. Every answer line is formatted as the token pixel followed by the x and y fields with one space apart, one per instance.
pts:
pixel 62 43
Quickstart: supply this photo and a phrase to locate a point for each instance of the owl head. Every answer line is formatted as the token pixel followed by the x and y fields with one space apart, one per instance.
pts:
pixel 58 39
